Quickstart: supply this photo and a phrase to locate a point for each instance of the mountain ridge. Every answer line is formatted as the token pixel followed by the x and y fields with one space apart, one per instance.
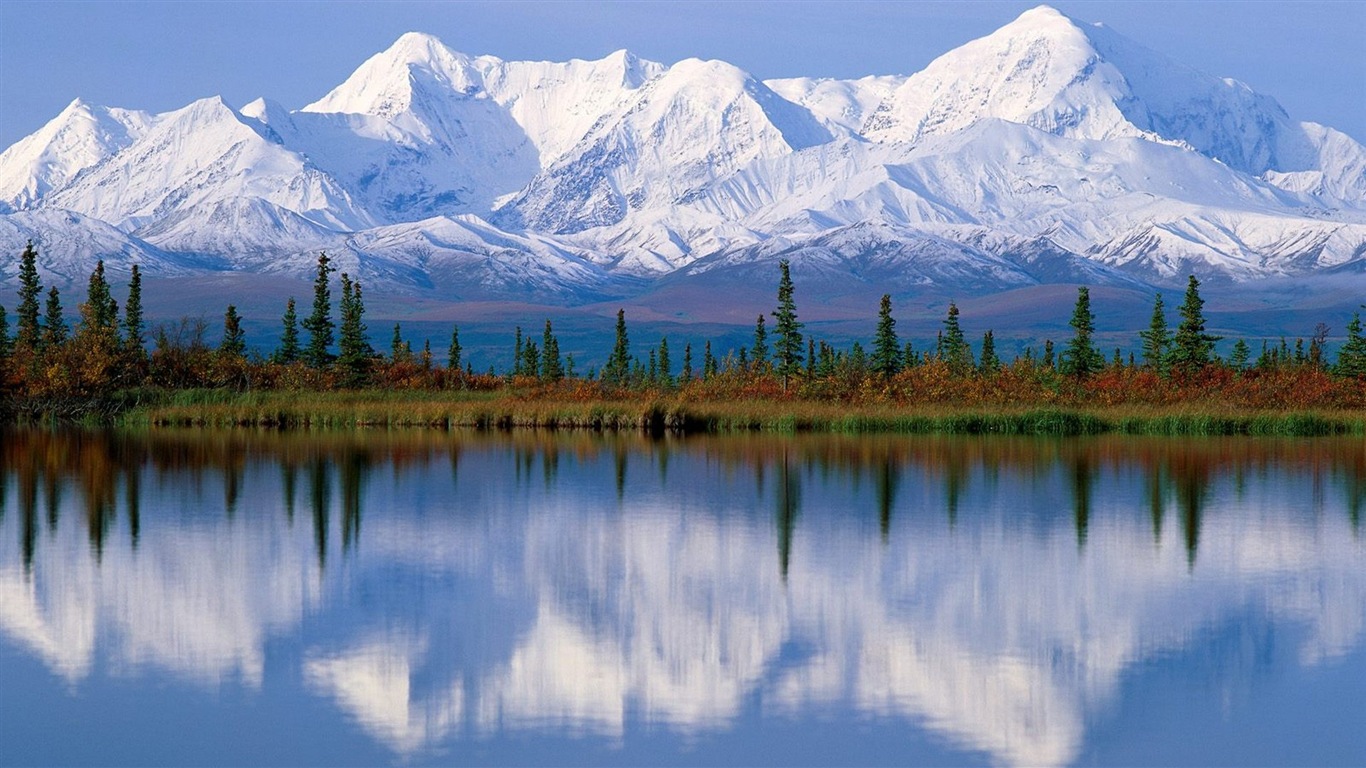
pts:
pixel 573 180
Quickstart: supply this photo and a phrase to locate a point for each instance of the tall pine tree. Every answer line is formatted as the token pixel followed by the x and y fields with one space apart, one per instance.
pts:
pixel 27 330
pixel 618 368
pixel 1192 348
pixel 760 350
pixel 552 365
pixel 1157 339
pixel 319 324
pixel 353 350
pixel 54 325
pixel 134 327
pixel 289 337
pixel 453 352
pixel 1080 358
pixel 1352 357
pixel 787 353
pixel 234 342
pixel 886 348
pixel 956 352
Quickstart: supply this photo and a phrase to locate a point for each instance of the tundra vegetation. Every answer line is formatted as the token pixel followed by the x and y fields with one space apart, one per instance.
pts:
pixel 102 369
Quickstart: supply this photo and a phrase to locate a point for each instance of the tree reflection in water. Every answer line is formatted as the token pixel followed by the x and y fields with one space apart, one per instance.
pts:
pixel 1010 587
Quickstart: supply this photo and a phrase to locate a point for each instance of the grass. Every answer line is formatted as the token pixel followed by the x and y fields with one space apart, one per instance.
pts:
pixel 501 410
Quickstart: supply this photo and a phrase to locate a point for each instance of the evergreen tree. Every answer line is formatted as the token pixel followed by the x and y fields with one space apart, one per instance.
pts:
pixel 1081 358
pixel 886 348
pixel 990 363
pixel 289 338
pixel 426 354
pixel 909 357
pixel 397 346
pixel 684 377
pixel 666 378
pixel 4 337
pixel 1241 352
pixel 353 351
pixel 54 326
pixel 1192 348
pixel 810 358
pixel 1316 345
pixel 531 359
pixel 1157 339
pixel 453 352
pixel 27 331
pixel 134 328
pixel 517 353
pixel 956 351
pixel 618 366
pixel 652 370
pixel 788 351
pixel 552 367
pixel 319 324
pixel 760 345
pixel 100 312
pixel 234 342
pixel 1352 357
pixel 708 363
pixel 1048 353
pixel 858 359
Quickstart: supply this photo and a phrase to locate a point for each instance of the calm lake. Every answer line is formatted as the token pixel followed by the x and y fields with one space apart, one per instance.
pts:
pixel 406 598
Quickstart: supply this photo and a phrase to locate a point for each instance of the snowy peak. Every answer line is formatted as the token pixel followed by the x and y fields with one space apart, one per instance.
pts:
pixel 387 84
pixel 78 138
pixel 1040 70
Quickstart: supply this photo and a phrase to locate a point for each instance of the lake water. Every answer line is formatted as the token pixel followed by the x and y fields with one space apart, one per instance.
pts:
pixel 424 597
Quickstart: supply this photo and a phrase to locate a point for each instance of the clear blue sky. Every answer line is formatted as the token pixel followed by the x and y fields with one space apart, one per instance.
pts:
pixel 161 55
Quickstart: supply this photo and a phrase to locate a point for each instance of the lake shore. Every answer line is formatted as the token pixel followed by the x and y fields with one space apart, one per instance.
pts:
pixel 679 414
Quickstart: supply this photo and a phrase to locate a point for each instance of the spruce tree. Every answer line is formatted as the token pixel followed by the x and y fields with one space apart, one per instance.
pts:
pixel 990 363
pixel 234 343
pixel 686 375
pixel 453 352
pixel 552 366
pixel 27 330
pixel 54 326
pixel 708 363
pixel 1352 357
pixel 289 337
pixel 396 346
pixel 1081 358
pixel 517 353
pixel 956 351
pixel 134 328
pixel 760 350
pixel 1048 356
pixel 788 346
pixel 1192 348
pixel 426 354
pixel 1157 339
pixel 886 347
pixel 810 358
pixel 531 359
pixel 1241 352
pixel 665 378
pixel 100 312
pixel 319 324
pixel 4 336
pixel 618 367
pixel 909 357
pixel 353 351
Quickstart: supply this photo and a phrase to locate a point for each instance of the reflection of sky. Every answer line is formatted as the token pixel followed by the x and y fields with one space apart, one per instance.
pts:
pixel 511 597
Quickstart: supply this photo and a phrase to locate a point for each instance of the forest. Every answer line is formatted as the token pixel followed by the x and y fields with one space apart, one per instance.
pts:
pixel 111 365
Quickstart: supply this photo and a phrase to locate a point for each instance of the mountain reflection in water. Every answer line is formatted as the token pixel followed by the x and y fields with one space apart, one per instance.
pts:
pixel 997 593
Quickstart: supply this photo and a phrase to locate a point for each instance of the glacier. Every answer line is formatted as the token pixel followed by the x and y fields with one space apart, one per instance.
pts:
pixel 1050 151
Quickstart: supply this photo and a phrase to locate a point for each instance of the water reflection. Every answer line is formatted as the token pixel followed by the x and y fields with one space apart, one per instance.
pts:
pixel 1001 593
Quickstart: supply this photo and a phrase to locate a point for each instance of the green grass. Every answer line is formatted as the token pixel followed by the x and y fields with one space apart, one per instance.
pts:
pixel 331 410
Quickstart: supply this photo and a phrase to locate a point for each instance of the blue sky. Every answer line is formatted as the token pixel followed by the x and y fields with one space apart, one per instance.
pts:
pixel 161 55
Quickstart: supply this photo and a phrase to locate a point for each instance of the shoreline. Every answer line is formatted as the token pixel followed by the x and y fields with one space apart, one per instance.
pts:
pixel 679 415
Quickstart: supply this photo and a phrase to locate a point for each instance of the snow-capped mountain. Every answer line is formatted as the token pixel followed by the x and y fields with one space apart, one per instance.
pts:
pixel 1048 151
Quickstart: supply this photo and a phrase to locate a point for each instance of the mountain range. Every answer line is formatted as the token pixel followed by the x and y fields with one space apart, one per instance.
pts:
pixel 1050 151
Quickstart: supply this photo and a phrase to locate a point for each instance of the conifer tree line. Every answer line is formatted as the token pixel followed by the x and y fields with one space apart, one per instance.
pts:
pixel 106 351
